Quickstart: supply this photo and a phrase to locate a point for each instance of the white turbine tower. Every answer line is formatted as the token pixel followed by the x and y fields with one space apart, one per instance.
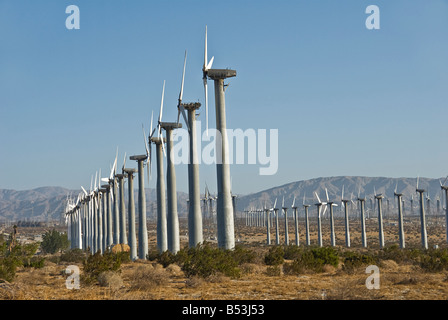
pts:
pixel 319 205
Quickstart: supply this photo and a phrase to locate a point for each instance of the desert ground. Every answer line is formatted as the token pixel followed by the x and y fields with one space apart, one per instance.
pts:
pixel 258 281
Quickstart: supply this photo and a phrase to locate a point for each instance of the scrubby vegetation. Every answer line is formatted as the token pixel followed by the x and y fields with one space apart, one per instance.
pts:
pixel 12 257
pixel 98 263
pixel 54 241
pixel 206 260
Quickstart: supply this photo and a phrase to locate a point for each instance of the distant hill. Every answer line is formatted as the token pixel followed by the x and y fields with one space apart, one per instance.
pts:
pixel 48 203
pixel 352 186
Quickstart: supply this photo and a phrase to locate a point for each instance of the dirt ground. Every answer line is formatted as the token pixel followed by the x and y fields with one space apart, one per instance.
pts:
pixel 396 281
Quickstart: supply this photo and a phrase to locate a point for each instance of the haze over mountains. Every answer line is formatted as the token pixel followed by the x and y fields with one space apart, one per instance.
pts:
pixel 48 203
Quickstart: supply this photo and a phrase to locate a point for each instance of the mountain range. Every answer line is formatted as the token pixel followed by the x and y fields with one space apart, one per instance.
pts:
pixel 48 203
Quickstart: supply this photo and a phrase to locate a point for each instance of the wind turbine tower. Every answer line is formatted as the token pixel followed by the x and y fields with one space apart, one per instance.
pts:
pixel 142 229
pixel 132 238
pixel 307 224
pixel 445 188
pixel 122 212
pixel 380 197
pixel 332 233
pixel 362 202
pixel 400 219
pixel 422 216
pixel 286 222
pixel 296 221
pixel 226 233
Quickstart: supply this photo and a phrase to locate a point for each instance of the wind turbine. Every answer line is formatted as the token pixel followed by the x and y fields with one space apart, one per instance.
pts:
pixel 122 212
pixel 116 213
pixel 344 203
pixel 331 204
pixel 380 197
pixel 162 231
pixel 107 221
pixel 422 216
pixel 319 205
pixel 226 236
pixel 132 237
pixel 296 221
pixel 194 212
pixel 205 68
pixel 286 221
pixel 268 222
pixel 307 224
pixel 400 219
pixel 445 188
pixel 362 202
pixel 277 233
pixel 172 216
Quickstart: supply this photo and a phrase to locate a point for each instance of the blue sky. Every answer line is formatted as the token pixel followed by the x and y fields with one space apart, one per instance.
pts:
pixel 345 100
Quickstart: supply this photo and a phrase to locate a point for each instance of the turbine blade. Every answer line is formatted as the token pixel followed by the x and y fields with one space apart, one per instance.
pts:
pixel 183 79
pixel 145 141
pixel 318 199
pixel 209 65
pixel 151 132
pixel 161 103
pixel 124 163
pixel 205 49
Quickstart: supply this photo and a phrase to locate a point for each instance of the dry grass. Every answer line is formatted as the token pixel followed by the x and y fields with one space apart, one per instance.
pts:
pixel 145 280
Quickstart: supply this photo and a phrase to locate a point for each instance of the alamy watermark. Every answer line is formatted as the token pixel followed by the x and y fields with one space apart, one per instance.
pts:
pixel 373 280
pixel 72 281
pixel 249 146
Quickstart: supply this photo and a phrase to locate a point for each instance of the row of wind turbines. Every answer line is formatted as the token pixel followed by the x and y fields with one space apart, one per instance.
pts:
pixel 268 216
pixel 98 219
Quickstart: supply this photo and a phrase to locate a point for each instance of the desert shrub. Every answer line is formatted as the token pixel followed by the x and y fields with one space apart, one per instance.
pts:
pixel 434 260
pixel 110 279
pixel 273 271
pixel 8 266
pixel 95 264
pixel 54 241
pixel 242 255
pixel 35 262
pixel 275 256
pixel 20 255
pixel 205 261
pixel 313 259
pixel 153 255
pixel 291 252
pixel 74 255
pixel 194 282
pixel 146 277
pixel 166 258
pixel 353 260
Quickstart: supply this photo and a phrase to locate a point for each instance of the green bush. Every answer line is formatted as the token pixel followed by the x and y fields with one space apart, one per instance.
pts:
pixel 434 260
pixel 291 252
pixel 312 259
pixel 35 262
pixel 353 260
pixel 205 261
pixel 74 255
pixel 241 255
pixel 54 241
pixel 20 255
pixel 95 264
pixel 275 256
